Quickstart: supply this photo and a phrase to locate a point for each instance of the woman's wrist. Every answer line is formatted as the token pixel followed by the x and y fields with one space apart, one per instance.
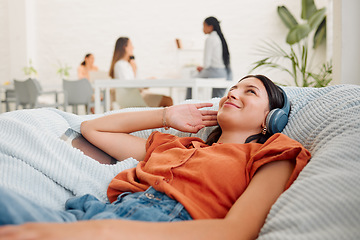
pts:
pixel 165 122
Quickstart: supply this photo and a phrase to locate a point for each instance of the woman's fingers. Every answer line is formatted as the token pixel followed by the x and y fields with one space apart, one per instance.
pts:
pixel 208 112
pixel 202 105
pixel 209 123
pixel 189 117
pixel 211 116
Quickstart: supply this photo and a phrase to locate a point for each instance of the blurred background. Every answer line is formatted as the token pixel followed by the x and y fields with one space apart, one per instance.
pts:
pixel 53 34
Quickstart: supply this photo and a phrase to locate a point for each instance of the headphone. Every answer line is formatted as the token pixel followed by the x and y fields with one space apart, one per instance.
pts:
pixel 277 118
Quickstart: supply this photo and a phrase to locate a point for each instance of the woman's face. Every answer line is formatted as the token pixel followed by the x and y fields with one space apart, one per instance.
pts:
pixel 129 48
pixel 90 60
pixel 245 107
pixel 207 28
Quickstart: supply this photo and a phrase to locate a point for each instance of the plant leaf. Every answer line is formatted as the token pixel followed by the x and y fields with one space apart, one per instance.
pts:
pixel 273 53
pixel 320 34
pixel 287 18
pixel 316 19
pixel 308 9
pixel 297 33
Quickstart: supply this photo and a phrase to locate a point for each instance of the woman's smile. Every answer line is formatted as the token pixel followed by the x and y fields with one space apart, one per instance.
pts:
pixel 230 104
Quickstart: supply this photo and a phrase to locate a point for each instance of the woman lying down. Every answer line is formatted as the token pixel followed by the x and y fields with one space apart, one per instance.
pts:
pixel 221 189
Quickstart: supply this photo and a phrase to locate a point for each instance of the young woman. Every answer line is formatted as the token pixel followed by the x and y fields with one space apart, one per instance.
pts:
pixel 227 187
pixel 216 56
pixel 123 67
pixel 87 66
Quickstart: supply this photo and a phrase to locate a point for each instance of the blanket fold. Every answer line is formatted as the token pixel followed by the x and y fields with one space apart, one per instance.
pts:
pixel 35 162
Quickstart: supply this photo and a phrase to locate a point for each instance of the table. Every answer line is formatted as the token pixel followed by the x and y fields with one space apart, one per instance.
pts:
pixel 194 84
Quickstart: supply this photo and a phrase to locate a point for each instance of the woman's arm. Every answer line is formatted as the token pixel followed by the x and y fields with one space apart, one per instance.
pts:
pixel 111 133
pixel 207 53
pixel 133 65
pixel 243 221
pixel 81 72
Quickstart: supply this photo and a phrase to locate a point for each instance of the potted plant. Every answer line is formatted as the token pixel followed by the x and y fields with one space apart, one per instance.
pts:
pixel 29 70
pixel 314 20
pixel 63 70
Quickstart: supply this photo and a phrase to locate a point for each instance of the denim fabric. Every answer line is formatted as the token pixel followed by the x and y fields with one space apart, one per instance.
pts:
pixel 16 209
pixel 150 205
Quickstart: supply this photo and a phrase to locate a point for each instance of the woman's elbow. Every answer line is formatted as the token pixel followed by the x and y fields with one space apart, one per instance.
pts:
pixel 85 127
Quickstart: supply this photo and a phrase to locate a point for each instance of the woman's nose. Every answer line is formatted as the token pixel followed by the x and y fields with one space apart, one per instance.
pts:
pixel 232 94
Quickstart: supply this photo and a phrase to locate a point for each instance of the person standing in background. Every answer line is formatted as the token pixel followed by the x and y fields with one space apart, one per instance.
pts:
pixel 123 67
pixel 216 56
pixel 87 66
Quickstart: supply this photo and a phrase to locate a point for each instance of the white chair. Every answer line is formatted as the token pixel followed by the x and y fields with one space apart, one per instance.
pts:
pixel 124 97
pixel 129 97
pixel 27 93
pixel 79 92
pixel 98 75
pixel 9 98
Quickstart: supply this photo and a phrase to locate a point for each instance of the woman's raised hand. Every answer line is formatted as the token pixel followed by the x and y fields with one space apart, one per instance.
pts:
pixel 189 117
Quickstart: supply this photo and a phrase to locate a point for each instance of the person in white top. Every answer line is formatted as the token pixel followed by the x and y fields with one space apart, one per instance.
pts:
pixel 213 51
pixel 216 56
pixel 123 67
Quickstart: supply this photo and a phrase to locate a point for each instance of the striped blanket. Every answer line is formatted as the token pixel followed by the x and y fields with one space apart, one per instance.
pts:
pixel 35 162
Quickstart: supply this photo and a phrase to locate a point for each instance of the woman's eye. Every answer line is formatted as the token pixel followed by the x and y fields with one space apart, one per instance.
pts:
pixel 252 91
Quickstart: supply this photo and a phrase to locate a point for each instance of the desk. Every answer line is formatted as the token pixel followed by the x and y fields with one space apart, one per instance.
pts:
pixel 194 83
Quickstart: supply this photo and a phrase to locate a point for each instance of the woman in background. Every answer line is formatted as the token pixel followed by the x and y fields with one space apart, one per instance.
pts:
pixel 87 66
pixel 216 56
pixel 123 67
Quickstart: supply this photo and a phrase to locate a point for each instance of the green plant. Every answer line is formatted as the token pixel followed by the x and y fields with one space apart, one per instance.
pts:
pixel 324 77
pixel 63 71
pixel 298 41
pixel 29 70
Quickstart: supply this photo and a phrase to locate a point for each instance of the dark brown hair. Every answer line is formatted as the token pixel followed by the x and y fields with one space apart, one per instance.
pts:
pixel 119 52
pixel 276 100
pixel 86 56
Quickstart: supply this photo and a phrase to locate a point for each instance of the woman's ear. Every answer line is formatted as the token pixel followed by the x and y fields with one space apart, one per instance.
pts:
pixel 264 121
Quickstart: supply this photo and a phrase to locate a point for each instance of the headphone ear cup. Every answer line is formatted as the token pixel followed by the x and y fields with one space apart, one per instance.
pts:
pixel 276 120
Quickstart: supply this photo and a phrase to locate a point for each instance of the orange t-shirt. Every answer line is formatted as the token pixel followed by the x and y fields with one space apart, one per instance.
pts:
pixel 207 180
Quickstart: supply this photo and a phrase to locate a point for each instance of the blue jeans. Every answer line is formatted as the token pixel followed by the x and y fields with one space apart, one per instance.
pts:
pixel 151 205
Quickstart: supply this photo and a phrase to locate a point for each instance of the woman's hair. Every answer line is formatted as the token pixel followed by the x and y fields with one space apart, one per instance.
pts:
pixel 119 53
pixel 212 21
pixel 276 100
pixel 86 56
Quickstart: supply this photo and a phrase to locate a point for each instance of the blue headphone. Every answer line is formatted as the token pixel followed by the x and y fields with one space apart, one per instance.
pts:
pixel 277 118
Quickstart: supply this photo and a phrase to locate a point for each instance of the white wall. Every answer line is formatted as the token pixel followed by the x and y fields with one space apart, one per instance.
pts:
pixel 65 30
pixel 346 47
pixel 4 42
